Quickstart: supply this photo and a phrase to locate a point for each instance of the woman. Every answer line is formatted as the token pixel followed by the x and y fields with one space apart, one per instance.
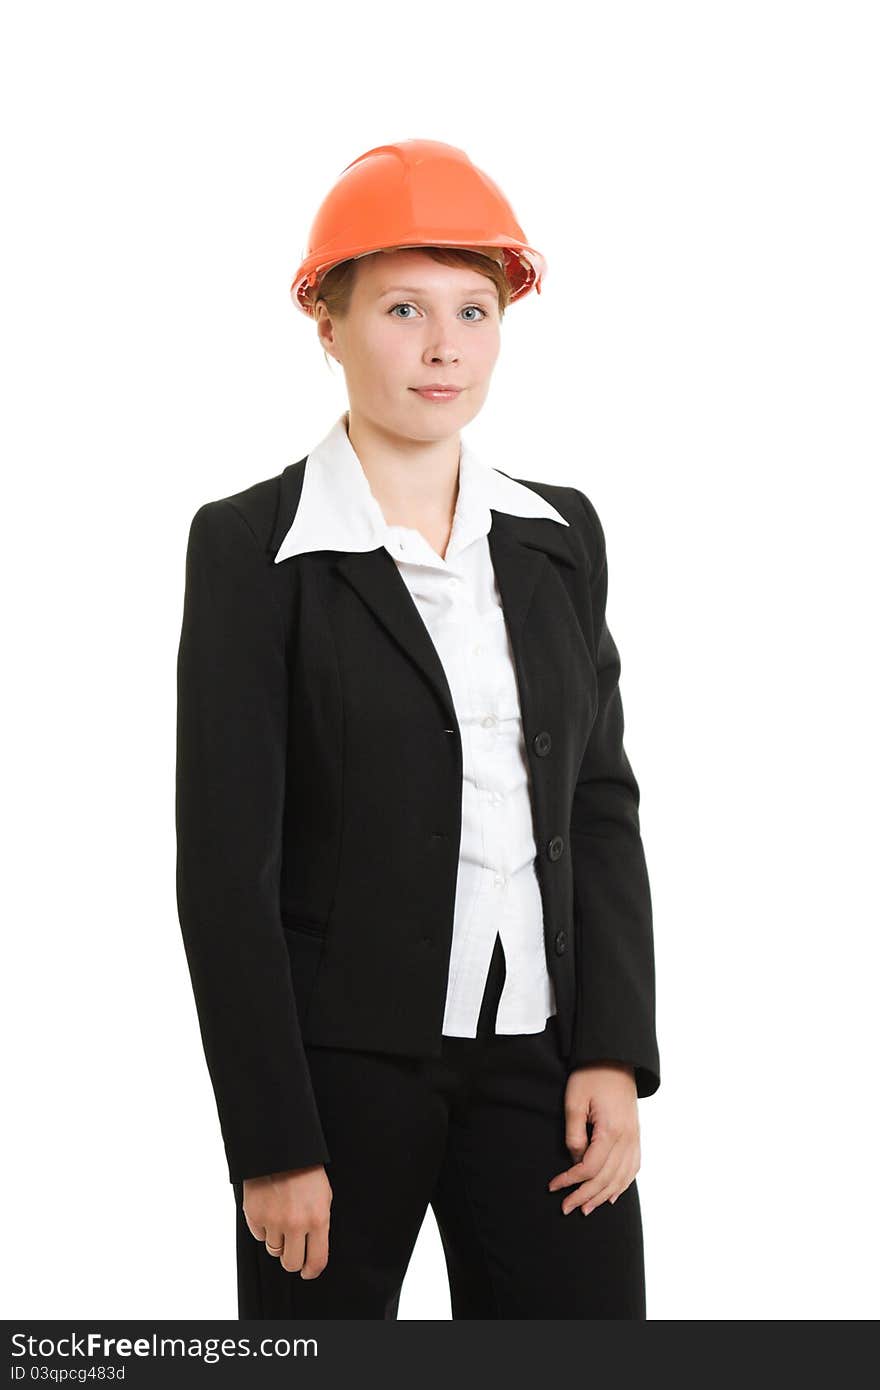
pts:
pixel 411 881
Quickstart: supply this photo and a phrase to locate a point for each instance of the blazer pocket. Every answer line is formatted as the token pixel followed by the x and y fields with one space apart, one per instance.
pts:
pixel 305 947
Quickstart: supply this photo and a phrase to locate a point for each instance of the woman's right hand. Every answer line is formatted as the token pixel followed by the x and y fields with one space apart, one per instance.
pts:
pixel 290 1212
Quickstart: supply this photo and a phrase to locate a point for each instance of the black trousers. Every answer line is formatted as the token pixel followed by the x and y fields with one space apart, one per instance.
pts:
pixel 477 1134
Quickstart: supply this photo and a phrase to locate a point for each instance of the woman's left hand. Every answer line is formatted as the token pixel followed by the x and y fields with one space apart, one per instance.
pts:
pixel 605 1095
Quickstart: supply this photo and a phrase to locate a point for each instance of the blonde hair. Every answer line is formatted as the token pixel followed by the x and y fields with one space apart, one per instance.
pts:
pixel 337 285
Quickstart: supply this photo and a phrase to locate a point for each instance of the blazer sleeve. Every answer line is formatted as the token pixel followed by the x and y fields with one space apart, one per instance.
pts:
pixel 615 1010
pixel 232 711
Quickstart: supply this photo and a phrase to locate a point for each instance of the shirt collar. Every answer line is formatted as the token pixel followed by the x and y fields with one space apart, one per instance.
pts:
pixel 338 510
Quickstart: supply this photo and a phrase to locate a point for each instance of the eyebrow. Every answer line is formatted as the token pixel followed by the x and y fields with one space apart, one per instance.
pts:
pixel 416 289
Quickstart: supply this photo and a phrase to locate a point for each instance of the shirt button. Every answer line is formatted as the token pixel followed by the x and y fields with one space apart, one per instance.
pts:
pixel 490 721
pixel 555 847
pixel 477 649
pixel 500 881
pixel 560 942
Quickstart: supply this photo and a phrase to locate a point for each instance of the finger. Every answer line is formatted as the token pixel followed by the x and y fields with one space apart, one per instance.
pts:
pixel 609 1172
pixel 576 1131
pixel 589 1192
pixel 622 1186
pixel 294 1251
pixel 592 1163
pixel 623 1182
pixel 601 1196
pixel 317 1250
pixel 274 1240
pixel 257 1231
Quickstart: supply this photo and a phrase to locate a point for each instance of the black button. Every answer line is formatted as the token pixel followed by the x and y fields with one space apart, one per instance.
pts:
pixel 555 847
pixel 560 942
pixel 542 743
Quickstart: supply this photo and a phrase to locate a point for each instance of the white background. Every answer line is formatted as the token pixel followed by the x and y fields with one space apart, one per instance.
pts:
pixel 702 361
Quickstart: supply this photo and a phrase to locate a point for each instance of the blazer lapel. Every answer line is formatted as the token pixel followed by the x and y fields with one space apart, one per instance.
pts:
pixel 522 550
pixel 376 578
pixel 519 547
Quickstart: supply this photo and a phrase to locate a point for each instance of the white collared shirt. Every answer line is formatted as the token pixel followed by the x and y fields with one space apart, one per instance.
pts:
pixel 497 889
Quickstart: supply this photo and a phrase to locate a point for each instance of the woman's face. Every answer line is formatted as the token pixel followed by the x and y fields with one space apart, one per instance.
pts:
pixel 414 322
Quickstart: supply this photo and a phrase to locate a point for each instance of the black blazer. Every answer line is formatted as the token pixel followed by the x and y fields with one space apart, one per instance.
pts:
pixel 318 807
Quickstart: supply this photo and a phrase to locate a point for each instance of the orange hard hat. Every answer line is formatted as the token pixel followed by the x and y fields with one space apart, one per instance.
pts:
pixel 415 193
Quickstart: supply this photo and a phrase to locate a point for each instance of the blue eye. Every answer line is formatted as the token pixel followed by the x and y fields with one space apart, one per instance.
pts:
pixel 405 305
